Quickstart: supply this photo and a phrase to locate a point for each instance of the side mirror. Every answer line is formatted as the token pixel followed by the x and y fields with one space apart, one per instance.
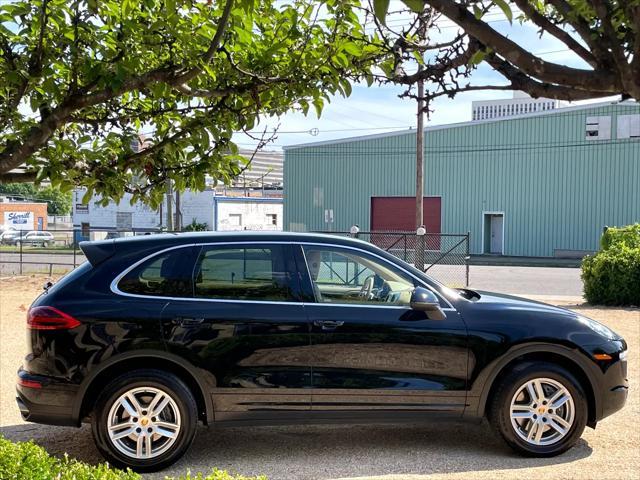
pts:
pixel 426 301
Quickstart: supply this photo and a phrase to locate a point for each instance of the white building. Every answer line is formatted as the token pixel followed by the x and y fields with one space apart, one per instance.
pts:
pixel 218 212
pixel 247 213
pixel 520 104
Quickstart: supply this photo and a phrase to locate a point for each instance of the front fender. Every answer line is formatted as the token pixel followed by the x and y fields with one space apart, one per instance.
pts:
pixel 478 394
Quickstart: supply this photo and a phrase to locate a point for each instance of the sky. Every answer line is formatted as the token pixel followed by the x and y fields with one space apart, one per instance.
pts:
pixel 378 109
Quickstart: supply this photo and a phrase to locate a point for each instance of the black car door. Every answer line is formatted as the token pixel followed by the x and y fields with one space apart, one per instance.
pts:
pixel 369 350
pixel 246 326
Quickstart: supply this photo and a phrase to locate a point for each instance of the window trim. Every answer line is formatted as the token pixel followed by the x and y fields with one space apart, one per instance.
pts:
pixel 114 283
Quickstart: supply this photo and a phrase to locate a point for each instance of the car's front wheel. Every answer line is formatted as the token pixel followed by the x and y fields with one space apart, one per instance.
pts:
pixel 145 419
pixel 539 409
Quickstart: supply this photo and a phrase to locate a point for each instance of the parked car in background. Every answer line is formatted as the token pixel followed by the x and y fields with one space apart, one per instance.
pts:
pixel 34 238
pixel 155 333
pixel 9 237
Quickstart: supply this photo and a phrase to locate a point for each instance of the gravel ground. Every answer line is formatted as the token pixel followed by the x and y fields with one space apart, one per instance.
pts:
pixel 439 450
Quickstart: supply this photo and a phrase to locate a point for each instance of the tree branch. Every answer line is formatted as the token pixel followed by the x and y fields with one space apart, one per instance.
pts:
pixel 35 60
pixel 556 31
pixel 523 59
pixel 18 177
pixel 223 23
pixel 520 81
pixel 610 38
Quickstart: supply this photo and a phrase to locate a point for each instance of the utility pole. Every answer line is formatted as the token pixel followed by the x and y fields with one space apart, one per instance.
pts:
pixel 178 213
pixel 420 247
pixel 169 205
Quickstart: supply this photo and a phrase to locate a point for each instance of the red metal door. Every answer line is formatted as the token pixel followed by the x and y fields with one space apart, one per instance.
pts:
pixel 398 214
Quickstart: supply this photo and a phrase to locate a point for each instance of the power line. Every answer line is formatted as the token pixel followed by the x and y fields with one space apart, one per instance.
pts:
pixel 456 149
pixel 404 127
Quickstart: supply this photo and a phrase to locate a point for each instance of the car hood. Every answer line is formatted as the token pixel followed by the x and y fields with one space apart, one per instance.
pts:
pixel 539 318
pixel 512 302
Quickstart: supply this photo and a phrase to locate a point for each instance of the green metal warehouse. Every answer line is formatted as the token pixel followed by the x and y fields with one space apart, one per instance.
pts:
pixel 540 185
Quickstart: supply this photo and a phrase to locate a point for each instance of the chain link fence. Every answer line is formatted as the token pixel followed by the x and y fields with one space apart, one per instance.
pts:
pixel 445 256
pixel 51 252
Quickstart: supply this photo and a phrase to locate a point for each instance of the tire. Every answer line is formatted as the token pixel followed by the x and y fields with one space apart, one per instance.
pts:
pixel 143 385
pixel 538 429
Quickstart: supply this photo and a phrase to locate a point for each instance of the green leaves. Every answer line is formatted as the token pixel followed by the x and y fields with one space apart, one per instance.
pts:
pixel 416 6
pixel 273 57
pixel 380 9
pixel 506 9
pixel 477 57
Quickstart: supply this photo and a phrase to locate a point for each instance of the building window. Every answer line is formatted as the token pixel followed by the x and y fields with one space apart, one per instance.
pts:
pixel 272 219
pixel 598 128
pixel 628 126
pixel 235 219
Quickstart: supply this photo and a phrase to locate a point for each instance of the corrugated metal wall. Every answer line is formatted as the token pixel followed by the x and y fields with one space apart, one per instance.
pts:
pixel 556 189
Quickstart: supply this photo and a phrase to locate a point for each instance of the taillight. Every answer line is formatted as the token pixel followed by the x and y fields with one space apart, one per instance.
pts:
pixel 50 318
pixel 23 382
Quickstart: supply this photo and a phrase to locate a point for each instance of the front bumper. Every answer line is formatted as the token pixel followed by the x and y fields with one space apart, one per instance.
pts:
pixel 45 400
pixel 614 385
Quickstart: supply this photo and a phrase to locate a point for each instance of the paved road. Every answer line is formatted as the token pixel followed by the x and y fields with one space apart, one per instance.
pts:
pixel 527 280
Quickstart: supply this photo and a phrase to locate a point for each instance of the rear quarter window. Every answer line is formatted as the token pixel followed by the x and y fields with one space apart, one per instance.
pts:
pixel 166 274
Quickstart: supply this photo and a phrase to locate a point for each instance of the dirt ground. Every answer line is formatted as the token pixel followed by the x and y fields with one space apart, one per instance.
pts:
pixel 442 450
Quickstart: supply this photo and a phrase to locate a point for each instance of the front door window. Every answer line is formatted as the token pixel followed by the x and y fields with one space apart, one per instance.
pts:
pixel 346 276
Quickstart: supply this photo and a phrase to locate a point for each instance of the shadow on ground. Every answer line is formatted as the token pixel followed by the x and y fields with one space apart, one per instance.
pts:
pixel 321 452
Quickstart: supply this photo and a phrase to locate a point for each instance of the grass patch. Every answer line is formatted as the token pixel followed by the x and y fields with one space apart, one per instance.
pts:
pixel 32 249
pixel 28 461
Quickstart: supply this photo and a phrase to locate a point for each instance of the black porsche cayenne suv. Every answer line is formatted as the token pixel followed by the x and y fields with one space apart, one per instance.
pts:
pixel 154 334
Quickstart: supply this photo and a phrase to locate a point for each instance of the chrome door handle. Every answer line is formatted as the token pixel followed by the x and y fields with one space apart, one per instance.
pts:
pixel 186 321
pixel 328 324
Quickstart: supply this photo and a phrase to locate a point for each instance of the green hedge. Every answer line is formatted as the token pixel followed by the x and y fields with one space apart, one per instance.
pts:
pixel 628 236
pixel 612 276
pixel 27 461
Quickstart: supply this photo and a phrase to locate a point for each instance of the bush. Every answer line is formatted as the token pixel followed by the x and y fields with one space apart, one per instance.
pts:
pixel 628 236
pixel 194 226
pixel 28 461
pixel 612 276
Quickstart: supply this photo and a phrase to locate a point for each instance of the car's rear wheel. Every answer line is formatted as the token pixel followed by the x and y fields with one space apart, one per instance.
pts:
pixel 539 409
pixel 145 420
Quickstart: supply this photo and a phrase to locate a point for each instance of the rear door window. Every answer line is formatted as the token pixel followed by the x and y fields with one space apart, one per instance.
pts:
pixel 168 274
pixel 258 273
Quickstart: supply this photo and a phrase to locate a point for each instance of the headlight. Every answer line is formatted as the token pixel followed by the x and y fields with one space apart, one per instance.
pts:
pixel 597 327
pixel 623 355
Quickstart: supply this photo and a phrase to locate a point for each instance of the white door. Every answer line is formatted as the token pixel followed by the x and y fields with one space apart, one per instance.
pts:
pixel 496 233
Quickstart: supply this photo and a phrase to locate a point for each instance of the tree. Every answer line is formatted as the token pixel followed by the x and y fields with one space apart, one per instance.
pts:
pixel 603 33
pixel 58 203
pixel 80 80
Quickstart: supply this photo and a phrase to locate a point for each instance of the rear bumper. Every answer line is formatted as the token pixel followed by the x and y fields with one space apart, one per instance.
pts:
pixel 46 400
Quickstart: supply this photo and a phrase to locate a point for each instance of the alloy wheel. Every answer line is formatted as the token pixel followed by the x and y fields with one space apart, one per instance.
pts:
pixel 542 411
pixel 144 422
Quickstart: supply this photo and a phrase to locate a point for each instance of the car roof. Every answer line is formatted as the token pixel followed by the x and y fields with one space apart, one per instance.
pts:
pixel 97 251
pixel 238 236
